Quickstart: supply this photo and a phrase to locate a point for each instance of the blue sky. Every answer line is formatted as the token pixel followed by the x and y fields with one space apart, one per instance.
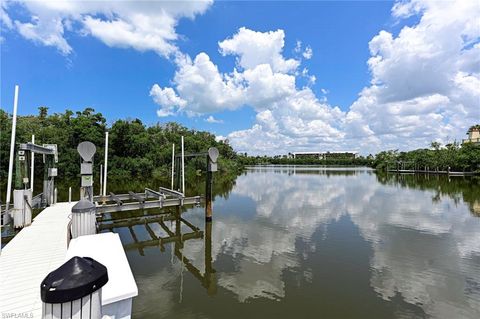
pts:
pixel 115 77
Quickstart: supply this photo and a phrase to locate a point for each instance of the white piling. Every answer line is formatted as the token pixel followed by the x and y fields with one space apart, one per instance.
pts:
pixel 101 179
pixel 32 163
pixel 183 168
pixel 70 194
pixel 55 196
pixel 105 168
pixel 12 147
pixel 173 163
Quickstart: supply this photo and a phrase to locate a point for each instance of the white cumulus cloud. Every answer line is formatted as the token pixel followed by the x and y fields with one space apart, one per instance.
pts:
pixel 255 48
pixel 424 86
pixel 425 81
pixel 212 119
pixel 264 80
pixel 141 25
pixel 308 53
pixel 167 99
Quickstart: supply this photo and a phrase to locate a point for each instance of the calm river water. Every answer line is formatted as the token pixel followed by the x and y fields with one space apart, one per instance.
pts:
pixel 312 242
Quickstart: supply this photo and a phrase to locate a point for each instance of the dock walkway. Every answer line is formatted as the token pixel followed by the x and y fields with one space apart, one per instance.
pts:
pixel 25 261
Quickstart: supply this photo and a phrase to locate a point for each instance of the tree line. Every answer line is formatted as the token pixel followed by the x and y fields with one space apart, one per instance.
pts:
pixel 139 151
pixel 454 157
pixel 135 150
pixel 245 159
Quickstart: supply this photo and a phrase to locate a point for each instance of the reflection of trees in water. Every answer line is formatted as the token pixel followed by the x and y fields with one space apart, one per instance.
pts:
pixel 457 188
pixel 156 233
pixel 424 254
pixel 327 173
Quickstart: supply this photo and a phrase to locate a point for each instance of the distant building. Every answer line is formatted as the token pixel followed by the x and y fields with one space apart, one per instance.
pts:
pixel 473 135
pixel 326 155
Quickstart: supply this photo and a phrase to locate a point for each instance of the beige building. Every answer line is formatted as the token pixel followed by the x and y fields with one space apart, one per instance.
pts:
pixel 473 135
pixel 327 155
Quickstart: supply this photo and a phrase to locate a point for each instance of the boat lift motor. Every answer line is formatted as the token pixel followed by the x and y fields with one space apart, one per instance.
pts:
pixel 87 151
pixel 22 194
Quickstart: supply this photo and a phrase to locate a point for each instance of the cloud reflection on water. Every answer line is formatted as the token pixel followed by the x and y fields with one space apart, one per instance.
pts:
pixel 426 251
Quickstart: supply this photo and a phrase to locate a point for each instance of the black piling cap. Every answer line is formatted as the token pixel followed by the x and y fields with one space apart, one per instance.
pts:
pixel 73 280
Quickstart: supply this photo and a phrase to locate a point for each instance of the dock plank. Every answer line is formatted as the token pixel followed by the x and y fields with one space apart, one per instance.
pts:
pixel 25 261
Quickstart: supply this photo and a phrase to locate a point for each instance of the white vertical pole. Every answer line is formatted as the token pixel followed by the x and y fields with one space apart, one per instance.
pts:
pixel 173 163
pixel 101 179
pixel 12 146
pixel 32 163
pixel 105 168
pixel 183 169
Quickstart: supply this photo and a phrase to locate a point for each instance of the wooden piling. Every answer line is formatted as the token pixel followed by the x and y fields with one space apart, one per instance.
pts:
pixel 208 197
pixel 210 281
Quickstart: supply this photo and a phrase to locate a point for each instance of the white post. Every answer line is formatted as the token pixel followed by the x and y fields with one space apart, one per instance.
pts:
pixel 105 168
pixel 70 194
pixel 101 179
pixel 183 169
pixel 32 163
pixel 173 163
pixel 12 146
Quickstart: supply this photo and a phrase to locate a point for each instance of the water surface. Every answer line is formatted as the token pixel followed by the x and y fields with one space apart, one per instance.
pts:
pixel 315 242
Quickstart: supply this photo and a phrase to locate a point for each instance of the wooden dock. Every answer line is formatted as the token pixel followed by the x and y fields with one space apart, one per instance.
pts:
pixel 25 261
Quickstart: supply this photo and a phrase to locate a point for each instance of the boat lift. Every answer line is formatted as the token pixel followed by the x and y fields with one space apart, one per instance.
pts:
pixel 50 159
pixel 148 199
pixel 163 197
pixel 23 199
pixel 151 199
